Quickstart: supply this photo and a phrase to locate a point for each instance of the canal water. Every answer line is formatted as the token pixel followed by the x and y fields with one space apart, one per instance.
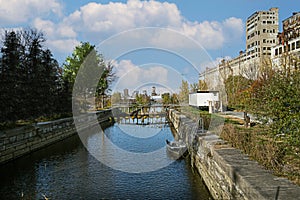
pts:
pixel 66 170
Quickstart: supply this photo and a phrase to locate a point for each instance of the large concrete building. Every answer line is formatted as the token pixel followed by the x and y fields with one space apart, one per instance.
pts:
pixel 286 53
pixel 261 35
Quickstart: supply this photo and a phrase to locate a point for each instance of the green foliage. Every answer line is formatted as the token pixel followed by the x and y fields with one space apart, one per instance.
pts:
pixel 174 99
pixel 194 87
pixel 142 99
pixel 277 101
pixel 237 91
pixel 183 96
pixel 30 81
pixel 202 85
pixel 166 98
pixel 257 144
pixel 74 62
pixel 91 67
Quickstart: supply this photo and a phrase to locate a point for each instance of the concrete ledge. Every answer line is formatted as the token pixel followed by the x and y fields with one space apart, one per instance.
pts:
pixel 20 141
pixel 227 172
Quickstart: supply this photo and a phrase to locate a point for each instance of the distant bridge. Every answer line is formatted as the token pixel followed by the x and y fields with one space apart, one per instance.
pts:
pixel 140 115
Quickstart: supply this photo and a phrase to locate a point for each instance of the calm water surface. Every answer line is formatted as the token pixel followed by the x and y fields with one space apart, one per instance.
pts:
pixel 66 170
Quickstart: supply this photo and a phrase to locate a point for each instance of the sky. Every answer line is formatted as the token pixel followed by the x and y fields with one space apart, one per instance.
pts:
pixel 149 42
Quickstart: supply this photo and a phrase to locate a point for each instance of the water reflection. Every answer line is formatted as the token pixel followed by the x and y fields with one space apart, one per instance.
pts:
pixel 66 170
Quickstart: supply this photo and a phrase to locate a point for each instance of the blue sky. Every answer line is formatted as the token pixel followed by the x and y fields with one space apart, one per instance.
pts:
pixel 217 25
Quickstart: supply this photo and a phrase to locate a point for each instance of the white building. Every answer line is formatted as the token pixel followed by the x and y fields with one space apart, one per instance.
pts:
pixel 209 99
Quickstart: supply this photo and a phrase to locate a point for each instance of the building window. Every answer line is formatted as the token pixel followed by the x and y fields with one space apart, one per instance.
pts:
pixel 276 52
pixel 293 46
pixel 264 40
pixel 264 30
pixel 298 44
pixel 280 50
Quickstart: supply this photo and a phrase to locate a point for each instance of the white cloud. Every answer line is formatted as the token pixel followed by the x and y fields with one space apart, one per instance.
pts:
pixel 16 11
pixel 54 31
pixel 208 34
pixel 233 28
pixel 116 17
pixel 62 45
pixel 99 21
pixel 47 26
pixel 132 76
pixel 95 22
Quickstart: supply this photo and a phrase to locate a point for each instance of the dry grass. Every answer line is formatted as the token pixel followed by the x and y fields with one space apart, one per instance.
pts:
pixel 256 142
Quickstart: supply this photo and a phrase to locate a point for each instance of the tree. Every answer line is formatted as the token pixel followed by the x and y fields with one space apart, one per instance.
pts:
pixel 174 99
pixel 90 62
pixel 202 85
pixel 107 77
pixel 194 87
pixel 166 98
pixel 142 99
pixel 237 91
pixel 184 92
pixel 74 62
pixel 11 75
pixel 277 101
pixel 29 76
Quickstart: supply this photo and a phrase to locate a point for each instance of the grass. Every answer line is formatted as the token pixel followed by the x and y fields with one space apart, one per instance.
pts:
pixel 257 142
pixel 275 154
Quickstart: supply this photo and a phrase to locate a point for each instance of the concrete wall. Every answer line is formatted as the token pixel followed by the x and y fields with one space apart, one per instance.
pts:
pixel 227 172
pixel 20 141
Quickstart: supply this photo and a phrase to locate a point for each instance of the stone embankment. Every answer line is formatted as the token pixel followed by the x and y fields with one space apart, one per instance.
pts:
pixel 226 171
pixel 20 141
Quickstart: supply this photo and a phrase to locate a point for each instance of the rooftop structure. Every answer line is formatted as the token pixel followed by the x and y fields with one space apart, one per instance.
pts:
pixel 261 35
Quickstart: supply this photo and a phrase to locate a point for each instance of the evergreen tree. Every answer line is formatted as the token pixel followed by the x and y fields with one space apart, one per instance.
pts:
pixel 35 72
pixel 11 80
pixel 30 82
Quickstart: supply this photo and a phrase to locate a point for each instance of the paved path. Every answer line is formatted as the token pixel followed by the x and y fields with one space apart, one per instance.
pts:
pixel 239 115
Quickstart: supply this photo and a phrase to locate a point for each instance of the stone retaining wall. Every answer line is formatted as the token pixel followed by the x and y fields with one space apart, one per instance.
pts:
pixel 20 141
pixel 227 172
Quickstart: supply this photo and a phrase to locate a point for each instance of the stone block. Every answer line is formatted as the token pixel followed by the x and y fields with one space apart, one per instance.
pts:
pixel 21 152
pixel 228 173
pixel 12 139
pixel 20 137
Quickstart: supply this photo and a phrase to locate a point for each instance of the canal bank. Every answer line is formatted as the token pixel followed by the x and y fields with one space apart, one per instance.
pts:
pixel 17 142
pixel 227 172
pixel 68 170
